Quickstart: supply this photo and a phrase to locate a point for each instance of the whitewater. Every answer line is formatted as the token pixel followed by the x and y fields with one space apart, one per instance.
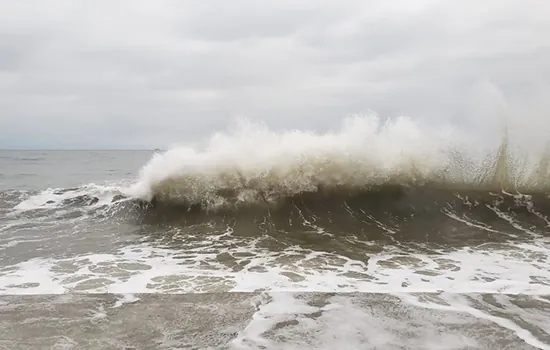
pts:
pixel 382 233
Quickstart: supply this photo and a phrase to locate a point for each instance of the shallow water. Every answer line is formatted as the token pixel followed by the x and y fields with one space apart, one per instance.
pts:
pixel 427 267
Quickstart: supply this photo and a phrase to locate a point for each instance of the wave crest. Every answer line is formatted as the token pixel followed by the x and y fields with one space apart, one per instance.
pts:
pixel 253 164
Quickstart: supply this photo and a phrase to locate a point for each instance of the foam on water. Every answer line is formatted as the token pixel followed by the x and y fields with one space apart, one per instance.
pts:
pixel 299 323
pixel 505 268
pixel 433 321
pixel 457 303
pixel 94 194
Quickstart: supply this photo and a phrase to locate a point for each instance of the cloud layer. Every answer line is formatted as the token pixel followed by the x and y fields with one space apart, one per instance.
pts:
pixel 105 74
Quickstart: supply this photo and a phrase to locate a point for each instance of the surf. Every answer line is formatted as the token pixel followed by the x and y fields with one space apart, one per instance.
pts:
pixel 252 164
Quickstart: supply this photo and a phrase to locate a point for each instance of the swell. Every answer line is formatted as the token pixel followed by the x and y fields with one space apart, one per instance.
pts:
pixel 390 215
pixel 331 217
pixel 397 201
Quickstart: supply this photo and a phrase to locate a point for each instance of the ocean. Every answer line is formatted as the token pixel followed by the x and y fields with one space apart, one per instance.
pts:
pixel 376 236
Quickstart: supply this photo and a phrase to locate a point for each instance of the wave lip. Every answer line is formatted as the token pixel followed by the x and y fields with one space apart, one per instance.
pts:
pixel 252 165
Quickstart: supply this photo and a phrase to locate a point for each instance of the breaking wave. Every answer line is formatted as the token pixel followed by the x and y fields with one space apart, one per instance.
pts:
pixel 373 180
pixel 252 165
pixel 372 162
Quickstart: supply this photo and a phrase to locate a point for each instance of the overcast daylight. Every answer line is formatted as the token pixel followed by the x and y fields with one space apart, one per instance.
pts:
pixel 257 175
pixel 104 74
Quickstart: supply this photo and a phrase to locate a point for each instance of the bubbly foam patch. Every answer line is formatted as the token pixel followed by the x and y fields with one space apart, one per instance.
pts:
pixel 90 194
pixel 381 321
pixel 504 268
pixel 455 303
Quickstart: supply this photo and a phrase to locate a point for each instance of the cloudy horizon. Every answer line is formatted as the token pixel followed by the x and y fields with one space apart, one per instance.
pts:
pixel 109 75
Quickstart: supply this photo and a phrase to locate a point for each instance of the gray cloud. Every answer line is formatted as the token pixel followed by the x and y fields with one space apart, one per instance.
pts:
pixel 105 74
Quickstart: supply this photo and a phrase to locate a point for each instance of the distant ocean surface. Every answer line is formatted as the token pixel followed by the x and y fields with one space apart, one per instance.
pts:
pixel 365 239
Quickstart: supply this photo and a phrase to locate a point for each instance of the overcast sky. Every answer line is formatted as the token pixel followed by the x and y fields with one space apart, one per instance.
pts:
pixel 146 74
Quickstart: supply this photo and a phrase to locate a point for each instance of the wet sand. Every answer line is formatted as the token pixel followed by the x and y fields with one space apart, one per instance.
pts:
pixel 281 320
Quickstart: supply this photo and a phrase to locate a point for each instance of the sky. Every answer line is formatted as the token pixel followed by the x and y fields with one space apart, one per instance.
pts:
pixel 149 74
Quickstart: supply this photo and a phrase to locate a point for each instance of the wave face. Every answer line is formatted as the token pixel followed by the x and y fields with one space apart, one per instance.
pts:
pixel 379 176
